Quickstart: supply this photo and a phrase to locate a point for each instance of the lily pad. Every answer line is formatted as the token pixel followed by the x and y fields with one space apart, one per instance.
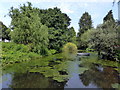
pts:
pixel 40 69
pixel 116 85
pixel 51 73
pixel 61 78
pixel 82 70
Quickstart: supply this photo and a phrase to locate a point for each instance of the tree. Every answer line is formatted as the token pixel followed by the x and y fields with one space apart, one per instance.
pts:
pixel 72 35
pixel 104 40
pixel 28 20
pixel 85 23
pixel 27 28
pixel 58 23
pixel 4 32
pixel 54 18
pixel 57 38
pixel 109 17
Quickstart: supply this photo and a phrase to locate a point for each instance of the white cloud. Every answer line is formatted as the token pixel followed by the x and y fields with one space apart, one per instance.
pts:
pixel 65 8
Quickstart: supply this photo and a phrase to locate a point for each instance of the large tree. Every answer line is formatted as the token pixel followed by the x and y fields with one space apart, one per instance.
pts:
pixel 85 23
pixel 28 29
pixel 58 23
pixel 29 20
pixel 54 18
pixel 104 40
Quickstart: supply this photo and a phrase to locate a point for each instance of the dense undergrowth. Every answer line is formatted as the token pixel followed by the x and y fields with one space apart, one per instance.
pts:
pixel 15 53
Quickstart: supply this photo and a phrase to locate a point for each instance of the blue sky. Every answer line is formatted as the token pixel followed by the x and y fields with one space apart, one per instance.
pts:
pixel 73 8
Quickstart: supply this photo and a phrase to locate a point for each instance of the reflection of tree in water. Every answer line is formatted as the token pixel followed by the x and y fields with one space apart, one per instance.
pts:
pixel 34 80
pixel 102 79
pixel 69 56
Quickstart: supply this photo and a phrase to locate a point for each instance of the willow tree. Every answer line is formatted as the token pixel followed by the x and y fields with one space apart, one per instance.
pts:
pixel 28 29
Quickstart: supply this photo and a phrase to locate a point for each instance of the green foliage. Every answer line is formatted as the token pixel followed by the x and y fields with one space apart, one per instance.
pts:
pixel 51 66
pixel 116 85
pixel 57 38
pixel 52 51
pixel 85 23
pixel 70 48
pixel 109 17
pixel 54 18
pixel 93 58
pixel 103 40
pixel 41 29
pixel 82 69
pixel 86 36
pixel 58 23
pixel 61 78
pixel 45 67
pixel 15 53
pixel 72 35
pixel 4 32
pixel 69 51
pixel 28 29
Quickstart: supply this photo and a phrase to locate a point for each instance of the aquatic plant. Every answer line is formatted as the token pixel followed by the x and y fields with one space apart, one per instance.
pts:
pixel 93 59
pixel 116 85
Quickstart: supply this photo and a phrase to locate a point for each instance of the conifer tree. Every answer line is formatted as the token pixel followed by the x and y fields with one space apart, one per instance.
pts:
pixel 109 17
pixel 85 23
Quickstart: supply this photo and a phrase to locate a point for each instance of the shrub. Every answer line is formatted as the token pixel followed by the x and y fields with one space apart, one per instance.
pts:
pixel 14 53
pixel 70 48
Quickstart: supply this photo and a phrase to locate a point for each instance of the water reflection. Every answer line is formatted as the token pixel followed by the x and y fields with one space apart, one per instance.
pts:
pixel 69 56
pixel 6 80
pixel 102 78
pixel 33 80
pixel 95 76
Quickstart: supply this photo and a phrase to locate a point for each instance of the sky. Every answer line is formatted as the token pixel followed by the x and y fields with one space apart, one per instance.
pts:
pixel 98 9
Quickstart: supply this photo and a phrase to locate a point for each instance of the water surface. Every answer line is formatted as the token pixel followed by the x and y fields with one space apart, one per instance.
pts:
pixel 77 72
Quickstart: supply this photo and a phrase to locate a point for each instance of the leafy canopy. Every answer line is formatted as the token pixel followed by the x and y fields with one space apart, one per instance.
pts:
pixel 28 29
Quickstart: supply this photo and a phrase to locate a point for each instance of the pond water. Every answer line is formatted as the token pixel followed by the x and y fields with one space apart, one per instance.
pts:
pixel 60 71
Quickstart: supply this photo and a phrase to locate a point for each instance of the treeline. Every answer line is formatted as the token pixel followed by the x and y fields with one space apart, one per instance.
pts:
pixel 41 30
pixel 47 30
pixel 104 39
